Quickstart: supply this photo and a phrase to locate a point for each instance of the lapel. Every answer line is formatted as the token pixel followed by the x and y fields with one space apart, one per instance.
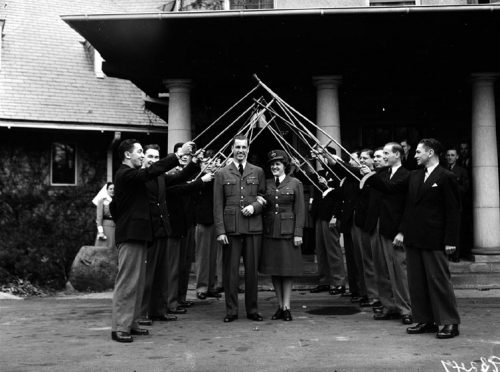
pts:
pixel 161 188
pixel 431 180
pixel 284 183
pixel 419 181
pixel 234 170
pixel 247 171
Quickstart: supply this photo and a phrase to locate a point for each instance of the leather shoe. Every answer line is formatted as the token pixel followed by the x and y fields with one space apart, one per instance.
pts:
pixel 164 317
pixel 422 328
pixel 256 317
pixel 278 314
pixel 145 322
pixel 185 303
pixel 219 289
pixel 201 296
pixel 348 294
pixel 407 319
pixel 213 294
pixel 378 309
pixel 320 288
pixel 369 303
pixel 121 336
pixel 355 299
pixel 230 318
pixel 177 310
pixel 287 316
pixel 337 290
pixel 139 332
pixel 386 316
pixel 448 331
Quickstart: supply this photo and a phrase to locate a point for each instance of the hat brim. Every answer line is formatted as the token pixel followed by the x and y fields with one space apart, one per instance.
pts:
pixel 278 158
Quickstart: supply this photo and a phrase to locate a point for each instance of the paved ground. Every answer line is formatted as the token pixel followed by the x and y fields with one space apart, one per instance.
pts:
pixel 72 333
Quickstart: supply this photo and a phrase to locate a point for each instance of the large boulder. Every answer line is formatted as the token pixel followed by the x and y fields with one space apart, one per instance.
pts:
pixel 94 269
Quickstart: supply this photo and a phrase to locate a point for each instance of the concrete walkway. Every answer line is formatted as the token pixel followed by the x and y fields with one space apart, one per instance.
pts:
pixel 72 333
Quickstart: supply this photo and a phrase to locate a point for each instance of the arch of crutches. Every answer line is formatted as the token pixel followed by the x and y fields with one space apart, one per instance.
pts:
pixel 252 122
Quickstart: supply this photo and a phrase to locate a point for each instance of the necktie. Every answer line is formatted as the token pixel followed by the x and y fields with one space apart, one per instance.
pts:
pixel 240 168
pixel 277 181
pixel 426 174
pixel 390 173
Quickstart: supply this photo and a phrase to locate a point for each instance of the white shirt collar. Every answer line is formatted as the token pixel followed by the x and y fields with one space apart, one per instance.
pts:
pixel 430 169
pixel 394 169
pixel 282 177
pixel 244 164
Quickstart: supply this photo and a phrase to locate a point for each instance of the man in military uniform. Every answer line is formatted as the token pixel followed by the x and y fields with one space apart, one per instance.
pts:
pixel 238 226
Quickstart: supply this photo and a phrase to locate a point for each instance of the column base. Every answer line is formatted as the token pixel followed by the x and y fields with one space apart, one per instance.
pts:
pixel 490 251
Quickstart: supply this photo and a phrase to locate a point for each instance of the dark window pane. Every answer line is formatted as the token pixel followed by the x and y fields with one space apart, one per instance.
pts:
pixel 63 164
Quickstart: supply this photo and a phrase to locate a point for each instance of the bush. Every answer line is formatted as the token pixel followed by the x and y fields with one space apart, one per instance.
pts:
pixel 42 231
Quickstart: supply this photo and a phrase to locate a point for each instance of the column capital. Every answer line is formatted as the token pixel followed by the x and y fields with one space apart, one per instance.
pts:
pixel 484 77
pixel 178 84
pixel 327 81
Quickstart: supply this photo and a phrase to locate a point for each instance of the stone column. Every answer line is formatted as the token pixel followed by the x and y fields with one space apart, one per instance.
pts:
pixel 486 199
pixel 327 108
pixel 179 111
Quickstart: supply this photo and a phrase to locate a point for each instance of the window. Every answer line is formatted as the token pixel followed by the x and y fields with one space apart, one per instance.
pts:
pixel 251 4
pixel 393 2
pixel 63 164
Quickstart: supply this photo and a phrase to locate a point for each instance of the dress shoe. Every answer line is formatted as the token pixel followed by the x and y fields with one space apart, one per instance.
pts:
pixel 139 332
pixel 164 318
pixel 201 296
pixel 422 328
pixel 145 322
pixel 219 289
pixel 378 309
pixel 337 290
pixel 230 318
pixel 386 316
pixel 448 331
pixel 278 314
pixel 177 310
pixel 355 299
pixel 121 336
pixel 185 303
pixel 213 294
pixel 369 303
pixel 256 317
pixel 287 316
pixel 320 288
pixel 407 319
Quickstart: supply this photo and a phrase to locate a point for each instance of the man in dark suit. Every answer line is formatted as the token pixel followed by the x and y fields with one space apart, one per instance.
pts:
pixel 431 227
pixel 130 210
pixel 408 160
pixel 238 226
pixel 392 183
pixel 325 211
pixel 462 176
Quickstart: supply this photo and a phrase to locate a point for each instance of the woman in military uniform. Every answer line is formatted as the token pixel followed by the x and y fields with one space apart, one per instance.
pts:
pixel 284 216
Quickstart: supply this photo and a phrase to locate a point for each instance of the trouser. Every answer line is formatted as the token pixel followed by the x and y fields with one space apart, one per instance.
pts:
pixel 381 269
pixel 206 256
pixel 219 266
pixel 329 254
pixel 249 247
pixel 173 257
pixel 352 271
pixel 157 271
pixel 431 292
pixel 364 261
pixel 129 286
pixel 186 258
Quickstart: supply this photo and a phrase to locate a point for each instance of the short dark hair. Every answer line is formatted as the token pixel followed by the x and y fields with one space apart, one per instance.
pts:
pixel 108 184
pixel 369 151
pixel 432 143
pixel 454 148
pixel 152 146
pixel 240 137
pixel 178 145
pixel 396 147
pixel 126 146
pixel 378 149
pixel 346 156
pixel 331 150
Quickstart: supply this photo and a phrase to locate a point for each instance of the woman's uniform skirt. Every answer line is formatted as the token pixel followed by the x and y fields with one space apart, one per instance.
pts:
pixel 279 257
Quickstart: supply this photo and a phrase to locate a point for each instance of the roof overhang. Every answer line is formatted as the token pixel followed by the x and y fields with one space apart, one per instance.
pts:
pixel 81 126
pixel 221 46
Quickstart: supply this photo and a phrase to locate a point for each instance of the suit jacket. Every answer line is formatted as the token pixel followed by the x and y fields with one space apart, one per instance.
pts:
pixel 349 193
pixel 284 213
pixel 462 179
pixel 232 192
pixel 432 213
pixel 323 208
pixel 393 193
pixel 130 205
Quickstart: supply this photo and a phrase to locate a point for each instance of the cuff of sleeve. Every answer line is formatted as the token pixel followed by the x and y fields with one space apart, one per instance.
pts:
pixel 363 180
pixel 100 230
